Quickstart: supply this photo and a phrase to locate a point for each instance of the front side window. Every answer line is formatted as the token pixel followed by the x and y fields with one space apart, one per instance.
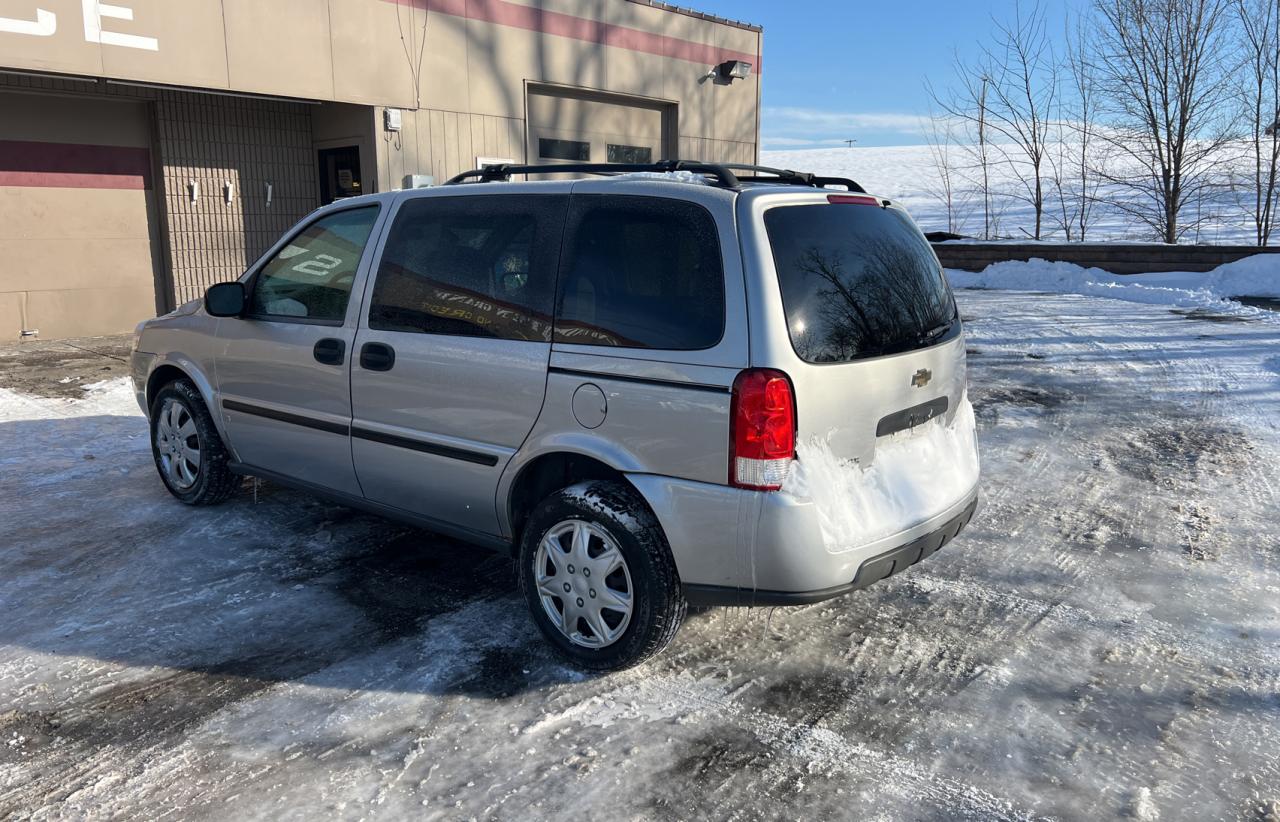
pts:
pixel 471 266
pixel 311 277
pixel 640 272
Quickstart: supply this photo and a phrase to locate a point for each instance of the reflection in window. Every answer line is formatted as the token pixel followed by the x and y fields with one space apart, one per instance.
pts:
pixel 311 277
pixel 470 267
pixel 857 281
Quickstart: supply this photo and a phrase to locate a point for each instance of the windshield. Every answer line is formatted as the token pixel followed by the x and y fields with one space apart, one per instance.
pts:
pixel 857 281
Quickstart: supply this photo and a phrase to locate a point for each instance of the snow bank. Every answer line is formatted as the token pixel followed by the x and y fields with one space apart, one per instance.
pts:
pixel 914 477
pixel 107 398
pixel 1257 276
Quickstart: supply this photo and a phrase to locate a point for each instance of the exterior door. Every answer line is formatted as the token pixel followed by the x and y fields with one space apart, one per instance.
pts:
pixel 283 369
pixel 339 173
pixel 451 359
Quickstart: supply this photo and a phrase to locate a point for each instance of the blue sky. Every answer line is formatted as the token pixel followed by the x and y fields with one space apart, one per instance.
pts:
pixel 847 69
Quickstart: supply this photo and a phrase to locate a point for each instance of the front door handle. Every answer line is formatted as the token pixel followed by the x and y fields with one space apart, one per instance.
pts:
pixel 376 356
pixel 330 351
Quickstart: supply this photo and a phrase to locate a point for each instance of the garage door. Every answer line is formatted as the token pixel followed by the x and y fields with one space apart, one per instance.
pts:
pixel 76 216
pixel 579 127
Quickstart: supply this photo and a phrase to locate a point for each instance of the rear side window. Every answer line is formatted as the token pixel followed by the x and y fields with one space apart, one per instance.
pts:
pixel 640 272
pixel 471 266
pixel 311 277
pixel 857 281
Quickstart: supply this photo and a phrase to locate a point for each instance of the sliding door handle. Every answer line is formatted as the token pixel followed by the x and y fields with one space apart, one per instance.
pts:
pixel 376 356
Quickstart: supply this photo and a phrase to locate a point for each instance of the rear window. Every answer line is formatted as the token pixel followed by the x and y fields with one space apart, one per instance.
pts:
pixel 640 272
pixel 857 281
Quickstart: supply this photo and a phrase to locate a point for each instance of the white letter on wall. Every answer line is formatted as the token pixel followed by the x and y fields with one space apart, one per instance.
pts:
pixel 94 11
pixel 45 25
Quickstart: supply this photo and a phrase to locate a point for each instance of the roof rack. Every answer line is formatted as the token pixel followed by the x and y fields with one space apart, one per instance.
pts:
pixel 502 172
pixel 722 174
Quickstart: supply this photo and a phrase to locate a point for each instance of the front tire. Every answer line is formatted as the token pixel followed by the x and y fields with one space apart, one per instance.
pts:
pixel 599 577
pixel 188 452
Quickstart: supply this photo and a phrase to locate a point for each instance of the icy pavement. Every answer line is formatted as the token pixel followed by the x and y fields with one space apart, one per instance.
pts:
pixel 1104 640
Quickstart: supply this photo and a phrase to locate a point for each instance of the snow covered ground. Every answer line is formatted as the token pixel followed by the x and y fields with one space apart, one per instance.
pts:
pixel 1102 641
pixel 909 176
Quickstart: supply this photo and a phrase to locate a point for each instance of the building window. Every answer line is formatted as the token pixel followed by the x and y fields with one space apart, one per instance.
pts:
pixel 630 154
pixel 549 149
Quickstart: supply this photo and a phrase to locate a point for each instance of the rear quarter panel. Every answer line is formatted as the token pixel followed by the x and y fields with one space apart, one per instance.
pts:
pixel 667 412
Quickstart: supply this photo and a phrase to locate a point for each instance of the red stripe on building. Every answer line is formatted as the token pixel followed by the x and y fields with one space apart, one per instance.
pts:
pixel 559 24
pixel 73 165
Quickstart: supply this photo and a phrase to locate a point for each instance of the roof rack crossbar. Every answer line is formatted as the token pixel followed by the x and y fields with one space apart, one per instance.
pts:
pixel 502 172
pixel 799 178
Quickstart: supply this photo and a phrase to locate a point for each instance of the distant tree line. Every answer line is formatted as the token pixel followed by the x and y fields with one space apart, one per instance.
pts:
pixel 1163 111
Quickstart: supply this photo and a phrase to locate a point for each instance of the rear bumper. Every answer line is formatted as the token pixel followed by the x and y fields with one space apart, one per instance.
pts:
pixel 737 547
pixel 870 571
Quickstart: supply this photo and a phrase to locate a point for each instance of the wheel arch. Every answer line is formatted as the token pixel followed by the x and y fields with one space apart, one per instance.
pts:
pixel 547 473
pixel 175 368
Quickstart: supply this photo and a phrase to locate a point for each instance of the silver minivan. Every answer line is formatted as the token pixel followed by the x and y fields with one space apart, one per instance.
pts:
pixel 670 384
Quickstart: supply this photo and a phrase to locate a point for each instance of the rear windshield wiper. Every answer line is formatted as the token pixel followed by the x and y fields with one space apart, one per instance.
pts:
pixel 935 332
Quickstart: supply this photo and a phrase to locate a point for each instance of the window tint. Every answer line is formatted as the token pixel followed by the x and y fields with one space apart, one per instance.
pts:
pixel 473 266
pixel 857 281
pixel 311 277
pixel 549 149
pixel 640 272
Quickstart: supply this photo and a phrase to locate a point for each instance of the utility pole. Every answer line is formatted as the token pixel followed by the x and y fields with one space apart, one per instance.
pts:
pixel 982 149
pixel 850 143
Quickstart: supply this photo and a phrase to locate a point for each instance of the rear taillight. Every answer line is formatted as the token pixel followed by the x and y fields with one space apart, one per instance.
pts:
pixel 762 432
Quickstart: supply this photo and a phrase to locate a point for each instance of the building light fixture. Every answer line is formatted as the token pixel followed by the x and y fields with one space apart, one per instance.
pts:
pixel 731 70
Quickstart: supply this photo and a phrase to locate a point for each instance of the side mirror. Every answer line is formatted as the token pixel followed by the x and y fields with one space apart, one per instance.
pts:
pixel 225 300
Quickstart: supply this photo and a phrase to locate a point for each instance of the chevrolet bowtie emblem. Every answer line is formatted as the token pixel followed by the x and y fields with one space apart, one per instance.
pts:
pixel 921 378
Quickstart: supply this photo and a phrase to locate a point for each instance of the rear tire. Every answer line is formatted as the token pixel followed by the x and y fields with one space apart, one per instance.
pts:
pixel 188 452
pixel 631 607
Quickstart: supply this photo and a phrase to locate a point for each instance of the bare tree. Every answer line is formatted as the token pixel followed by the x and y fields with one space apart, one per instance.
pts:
pixel 941 140
pixel 965 108
pixel 1162 68
pixel 1260 26
pixel 1081 115
pixel 1024 85
pixel 1014 84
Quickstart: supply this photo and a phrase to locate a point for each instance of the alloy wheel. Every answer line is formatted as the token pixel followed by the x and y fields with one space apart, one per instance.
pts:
pixel 178 444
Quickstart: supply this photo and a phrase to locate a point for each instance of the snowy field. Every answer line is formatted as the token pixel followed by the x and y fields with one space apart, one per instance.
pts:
pixel 1101 642
pixel 909 176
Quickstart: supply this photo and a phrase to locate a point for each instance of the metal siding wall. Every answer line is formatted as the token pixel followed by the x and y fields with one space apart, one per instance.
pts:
pixel 213 140
pixel 713 151
pixel 444 143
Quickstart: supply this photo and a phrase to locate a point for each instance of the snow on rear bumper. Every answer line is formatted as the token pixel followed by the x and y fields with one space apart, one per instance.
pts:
pixel 811 540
